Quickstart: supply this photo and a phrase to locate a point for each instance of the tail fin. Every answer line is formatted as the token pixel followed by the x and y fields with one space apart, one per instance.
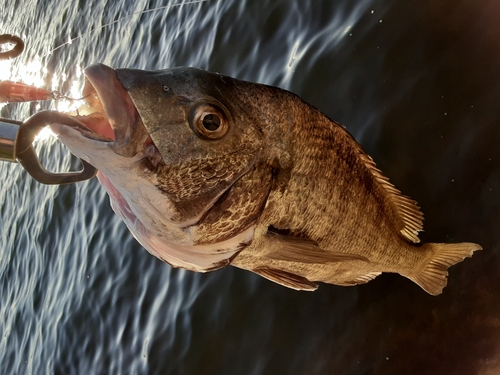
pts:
pixel 432 278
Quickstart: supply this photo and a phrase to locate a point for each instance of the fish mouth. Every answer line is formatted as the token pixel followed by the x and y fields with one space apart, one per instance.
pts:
pixel 110 113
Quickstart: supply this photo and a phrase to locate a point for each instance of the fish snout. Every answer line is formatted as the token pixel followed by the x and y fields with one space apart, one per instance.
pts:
pixel 126 125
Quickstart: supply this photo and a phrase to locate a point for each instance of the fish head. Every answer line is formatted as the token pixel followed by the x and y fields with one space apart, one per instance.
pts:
pixel 190 114
pixel 184 155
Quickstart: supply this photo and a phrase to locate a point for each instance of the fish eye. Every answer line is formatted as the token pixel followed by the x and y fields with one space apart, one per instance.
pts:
pixel 209 122
pixel 166 88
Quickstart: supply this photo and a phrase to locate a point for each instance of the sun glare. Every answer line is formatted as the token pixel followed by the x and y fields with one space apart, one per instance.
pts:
pixel 33 73
pixel 44 134
pixel 5 66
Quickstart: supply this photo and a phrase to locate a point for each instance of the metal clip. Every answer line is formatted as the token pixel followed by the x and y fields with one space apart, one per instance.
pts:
pixel 16 140
pixel 14 52
pixel 8 139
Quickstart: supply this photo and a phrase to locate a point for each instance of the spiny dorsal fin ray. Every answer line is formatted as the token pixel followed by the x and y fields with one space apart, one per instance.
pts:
pixel 406 208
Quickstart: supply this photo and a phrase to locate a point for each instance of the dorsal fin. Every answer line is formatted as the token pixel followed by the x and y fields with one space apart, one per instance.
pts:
pixel 407 209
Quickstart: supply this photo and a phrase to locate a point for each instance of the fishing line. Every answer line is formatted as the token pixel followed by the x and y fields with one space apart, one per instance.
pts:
pixel 121 19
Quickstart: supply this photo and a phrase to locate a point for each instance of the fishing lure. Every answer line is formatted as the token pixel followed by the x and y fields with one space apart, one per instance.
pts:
pixel 17 92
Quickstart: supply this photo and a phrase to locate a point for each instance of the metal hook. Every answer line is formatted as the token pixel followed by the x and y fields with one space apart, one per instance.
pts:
pixel 16 143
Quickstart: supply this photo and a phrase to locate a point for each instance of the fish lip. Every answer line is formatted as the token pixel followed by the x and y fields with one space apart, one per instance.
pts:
pixel 122 115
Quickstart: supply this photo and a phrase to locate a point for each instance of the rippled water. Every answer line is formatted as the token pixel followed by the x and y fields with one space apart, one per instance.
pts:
pixel 416 82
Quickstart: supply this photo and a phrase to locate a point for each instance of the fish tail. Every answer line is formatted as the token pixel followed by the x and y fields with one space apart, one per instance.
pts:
pixel 432 277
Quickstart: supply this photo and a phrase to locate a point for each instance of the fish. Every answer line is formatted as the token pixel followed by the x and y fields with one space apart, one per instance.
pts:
pixel 208 171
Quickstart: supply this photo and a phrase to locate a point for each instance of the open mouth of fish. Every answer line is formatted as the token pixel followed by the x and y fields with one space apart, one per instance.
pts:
pixel 110 114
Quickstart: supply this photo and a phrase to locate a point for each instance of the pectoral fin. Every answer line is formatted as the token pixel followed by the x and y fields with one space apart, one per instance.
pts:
pixel 303 250
pixel 287 279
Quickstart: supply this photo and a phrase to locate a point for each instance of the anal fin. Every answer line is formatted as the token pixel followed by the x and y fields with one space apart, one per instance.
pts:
pixel 287 279
pixel 365 278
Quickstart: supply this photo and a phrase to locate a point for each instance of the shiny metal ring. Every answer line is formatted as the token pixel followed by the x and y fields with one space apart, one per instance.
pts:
pixel 14 52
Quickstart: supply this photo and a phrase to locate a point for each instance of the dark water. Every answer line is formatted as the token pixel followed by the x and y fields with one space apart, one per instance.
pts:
pixel 416 82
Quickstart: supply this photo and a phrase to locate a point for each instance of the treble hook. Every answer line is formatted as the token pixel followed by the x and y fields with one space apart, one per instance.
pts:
pixel 14 52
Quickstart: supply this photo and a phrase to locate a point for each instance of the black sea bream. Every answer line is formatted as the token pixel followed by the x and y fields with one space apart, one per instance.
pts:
pixel 208 171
